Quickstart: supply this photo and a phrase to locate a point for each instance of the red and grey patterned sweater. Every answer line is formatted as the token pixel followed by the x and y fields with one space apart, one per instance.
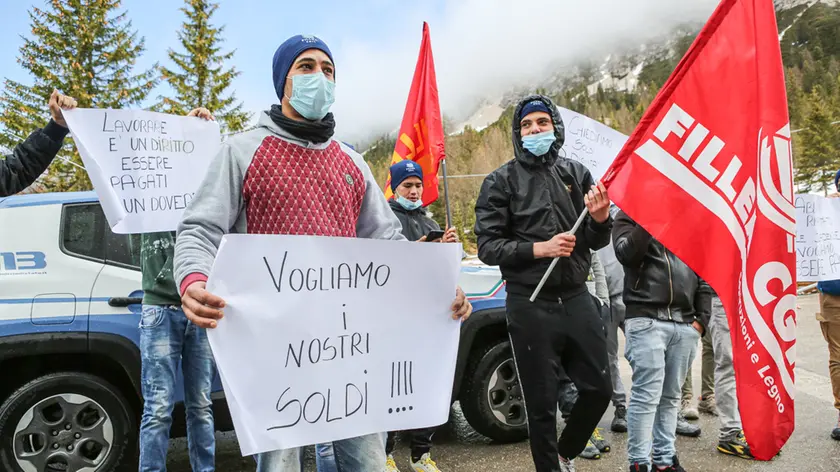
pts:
pixel 266 181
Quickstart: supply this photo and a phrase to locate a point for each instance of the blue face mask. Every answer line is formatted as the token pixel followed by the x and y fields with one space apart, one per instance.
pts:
pixel 312 95
pixel 408 204
pixel 539 144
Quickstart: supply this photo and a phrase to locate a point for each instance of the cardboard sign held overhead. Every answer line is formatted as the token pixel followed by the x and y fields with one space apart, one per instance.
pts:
pixel 144 166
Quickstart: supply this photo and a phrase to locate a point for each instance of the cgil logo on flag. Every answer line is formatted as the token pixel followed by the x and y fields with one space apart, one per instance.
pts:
pixel 738 209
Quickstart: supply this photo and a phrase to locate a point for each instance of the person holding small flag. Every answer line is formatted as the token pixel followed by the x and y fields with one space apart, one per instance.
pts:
pixel 406 181
pixel 407 184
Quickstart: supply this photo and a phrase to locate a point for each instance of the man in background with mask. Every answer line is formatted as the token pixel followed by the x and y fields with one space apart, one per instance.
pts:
pixel 407 205
pixel 523 210
pixel 287 176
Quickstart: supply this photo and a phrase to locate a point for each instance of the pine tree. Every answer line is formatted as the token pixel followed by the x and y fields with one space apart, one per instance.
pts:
pixel 201 79
pixel 85 49
pixel 819 158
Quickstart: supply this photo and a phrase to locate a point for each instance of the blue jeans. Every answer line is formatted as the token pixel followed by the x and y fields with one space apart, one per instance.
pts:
pixel 659 353
pixel 168 339
pixel 325 458
pixel 362 454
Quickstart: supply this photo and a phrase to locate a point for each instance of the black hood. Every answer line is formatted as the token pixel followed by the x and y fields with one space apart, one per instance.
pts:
pixel 525 156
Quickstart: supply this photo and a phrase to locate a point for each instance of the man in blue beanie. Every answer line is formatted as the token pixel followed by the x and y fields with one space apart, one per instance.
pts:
pixel 407 205
pixel 288 175
pixel 523 212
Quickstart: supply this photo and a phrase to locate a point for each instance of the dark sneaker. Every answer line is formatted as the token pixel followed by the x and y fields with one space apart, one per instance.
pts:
pixel 676 467
pixel 638 468
pixel 602 444
pixel 591 452
pixel 684 428
pixel 835 433
pixel 708 406
pixel 735 446
pixel 619 422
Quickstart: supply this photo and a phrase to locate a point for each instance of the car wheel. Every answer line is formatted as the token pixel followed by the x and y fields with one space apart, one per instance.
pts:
pixel 68 422
pixel 492 401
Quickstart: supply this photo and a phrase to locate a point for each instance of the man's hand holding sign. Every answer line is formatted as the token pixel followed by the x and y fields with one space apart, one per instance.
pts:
pixel 205 309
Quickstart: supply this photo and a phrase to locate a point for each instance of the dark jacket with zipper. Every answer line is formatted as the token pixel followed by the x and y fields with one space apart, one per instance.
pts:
pixel 657 284
pixel 415 223
pixel 531 199
pixel 30 158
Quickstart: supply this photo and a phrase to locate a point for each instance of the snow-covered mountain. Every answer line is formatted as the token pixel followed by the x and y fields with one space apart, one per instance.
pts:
pixel 619 70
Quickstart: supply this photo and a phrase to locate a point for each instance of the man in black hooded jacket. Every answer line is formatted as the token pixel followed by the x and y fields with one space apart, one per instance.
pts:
pixel 523 210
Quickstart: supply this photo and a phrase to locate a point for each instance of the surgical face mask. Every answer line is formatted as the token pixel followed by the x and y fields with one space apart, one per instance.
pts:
pixel 312 95
pixel 539 144
pixel 408 204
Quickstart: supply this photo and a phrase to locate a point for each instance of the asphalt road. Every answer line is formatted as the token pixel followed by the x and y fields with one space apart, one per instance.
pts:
pixel 458 448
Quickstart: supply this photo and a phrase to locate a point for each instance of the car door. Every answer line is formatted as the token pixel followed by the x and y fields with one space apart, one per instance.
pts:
pixel 119 291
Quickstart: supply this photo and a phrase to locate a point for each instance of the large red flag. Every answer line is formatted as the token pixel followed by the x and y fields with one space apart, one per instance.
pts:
pixel 421 133
pixel 708 173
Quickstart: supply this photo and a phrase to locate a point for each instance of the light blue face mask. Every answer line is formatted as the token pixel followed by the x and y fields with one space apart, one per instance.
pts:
pixel 539 144
pixel 408 204
pixel 312 95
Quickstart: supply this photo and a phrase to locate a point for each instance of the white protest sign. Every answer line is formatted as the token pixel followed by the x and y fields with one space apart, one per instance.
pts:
pixel 144 166
pixel 817 238
pixel 331 338
pixel 590 142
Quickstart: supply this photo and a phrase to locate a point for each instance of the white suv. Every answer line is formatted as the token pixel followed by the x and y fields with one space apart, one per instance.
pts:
pixel 70 302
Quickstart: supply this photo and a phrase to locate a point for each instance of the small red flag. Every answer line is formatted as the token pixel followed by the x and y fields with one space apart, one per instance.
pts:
pixel 421 137
pixel 708 173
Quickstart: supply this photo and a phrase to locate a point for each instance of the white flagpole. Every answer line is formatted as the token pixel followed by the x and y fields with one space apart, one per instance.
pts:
pixel 554 262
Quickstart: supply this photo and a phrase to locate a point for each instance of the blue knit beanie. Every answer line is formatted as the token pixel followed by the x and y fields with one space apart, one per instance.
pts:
pixel 403 170
pixel 531 107
pixel 286 54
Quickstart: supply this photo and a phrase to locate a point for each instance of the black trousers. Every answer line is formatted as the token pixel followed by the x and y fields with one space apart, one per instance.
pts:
pixel 549 338
pixel 420 441
pixel 568 394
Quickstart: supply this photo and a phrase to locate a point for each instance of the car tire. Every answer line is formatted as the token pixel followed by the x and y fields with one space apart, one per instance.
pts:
pixel 64 422
pixel 486 398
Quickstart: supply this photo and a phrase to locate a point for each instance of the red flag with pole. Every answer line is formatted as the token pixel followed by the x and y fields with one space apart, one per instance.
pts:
pixel 708 173
pixel 421 137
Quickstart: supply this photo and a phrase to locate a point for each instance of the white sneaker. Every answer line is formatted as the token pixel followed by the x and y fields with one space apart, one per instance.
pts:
pixel 567 466
pixel 391 465
pixel 425 464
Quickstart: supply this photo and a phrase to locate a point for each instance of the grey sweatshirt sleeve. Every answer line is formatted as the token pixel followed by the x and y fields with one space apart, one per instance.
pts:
pixel 212 213
pixel 376 220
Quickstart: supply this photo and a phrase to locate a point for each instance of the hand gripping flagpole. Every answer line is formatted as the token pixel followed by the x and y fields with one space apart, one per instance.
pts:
pixel 554 262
